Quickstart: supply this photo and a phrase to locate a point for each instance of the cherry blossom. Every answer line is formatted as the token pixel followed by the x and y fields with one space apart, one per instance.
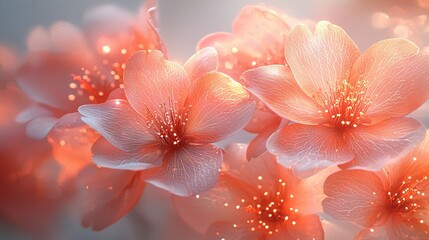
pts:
pixel 390 204
pixel 168 130
pixel 344 103
pixel 255 200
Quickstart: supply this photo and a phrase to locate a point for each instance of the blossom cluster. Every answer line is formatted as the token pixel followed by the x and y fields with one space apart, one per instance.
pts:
pixel 333 130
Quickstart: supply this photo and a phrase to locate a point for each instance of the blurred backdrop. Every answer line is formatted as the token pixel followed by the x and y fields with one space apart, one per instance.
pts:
pixel 182 23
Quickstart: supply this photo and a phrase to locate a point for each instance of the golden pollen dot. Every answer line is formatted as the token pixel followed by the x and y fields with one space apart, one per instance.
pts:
pixel 105 49
pixel 72 97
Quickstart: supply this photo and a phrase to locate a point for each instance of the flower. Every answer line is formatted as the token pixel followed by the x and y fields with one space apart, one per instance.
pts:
pixel 83 68
pixel 108 195
pixel 256 199
pixel 169 121
pixel 390 204
pixel 257 39
pixel 345 104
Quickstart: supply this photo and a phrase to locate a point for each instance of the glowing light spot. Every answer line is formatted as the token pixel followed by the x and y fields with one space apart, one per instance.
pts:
pixel 117 102
pixel 124 51
pixel 72 97
pixel 234 50
pixel 106 49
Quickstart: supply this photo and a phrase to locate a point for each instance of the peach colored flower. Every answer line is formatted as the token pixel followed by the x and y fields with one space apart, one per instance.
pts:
pixel 255 200
pixel 82 66
pixel 26 200
pixel 67 68
pixel 348 107
pixel 108 195
pixel 257 39
pixel 172 116
pixel 390 204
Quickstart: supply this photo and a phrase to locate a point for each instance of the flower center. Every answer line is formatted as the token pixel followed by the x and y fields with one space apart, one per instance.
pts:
pixel 345 105
pixel 169 122
pixel 409 197
pixel 93 84
pixel 266 210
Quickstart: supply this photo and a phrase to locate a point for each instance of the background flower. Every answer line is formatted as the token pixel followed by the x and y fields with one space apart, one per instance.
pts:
pixel 344 103
pixel 390 204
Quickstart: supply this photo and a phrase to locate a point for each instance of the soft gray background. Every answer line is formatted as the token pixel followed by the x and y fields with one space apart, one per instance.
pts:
pixel 182 24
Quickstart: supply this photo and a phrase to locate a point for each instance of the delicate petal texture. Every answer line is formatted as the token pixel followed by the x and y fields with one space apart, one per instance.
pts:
pixel 354 195
pixel 106 155
pixel 108 195
pixel 202 62
pixel 117 121
pixel 276 87
pixel 220 108
pixel 151 81
pixel 322 60
pixel 308 148
pixel 383 143
pixel 189 170
pixel 223 230
pixel 40 127
pixel 396 78
pixel 306 227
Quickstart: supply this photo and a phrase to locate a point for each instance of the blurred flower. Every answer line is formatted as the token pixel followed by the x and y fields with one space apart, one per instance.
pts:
pixel 168 129
pixel 256 200
pixel 345 104
pixel 67 68
pixel 390 204
pixel 109 194
pixel 257 39
pixel 27 200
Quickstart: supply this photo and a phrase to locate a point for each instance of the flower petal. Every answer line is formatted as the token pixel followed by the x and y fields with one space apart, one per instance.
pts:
pixel 262 118
pixel 395 74
pixel 225 230
pixel 383 143
pixel 258 145
pixel 117 121
pixel 220 108
pixel 202 62
pixel 306 227
pixel 44 71
pixel 202 210
pixel 106 155
pixel 40 127
pixel 277 88
pixel 355 196
pixel 190 170
pixel 108 195
pixel 321 60
pixel 308 149
pixel 151 81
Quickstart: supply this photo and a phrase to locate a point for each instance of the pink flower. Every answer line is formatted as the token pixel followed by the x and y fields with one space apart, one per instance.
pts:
pixel 390 204
pixel 257 39
pixel 172 116
pixel 67 68
pixel 345 104
pixel 82 67
pixel 108 195
pixel 255 200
